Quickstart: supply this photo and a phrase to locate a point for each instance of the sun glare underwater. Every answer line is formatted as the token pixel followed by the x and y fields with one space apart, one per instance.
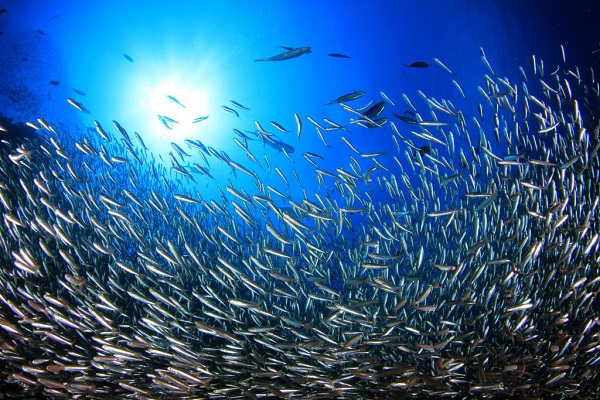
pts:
pixel 272 199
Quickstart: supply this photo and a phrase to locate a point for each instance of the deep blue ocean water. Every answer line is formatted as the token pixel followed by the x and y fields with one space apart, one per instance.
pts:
pixel 202 54
pixel 138 63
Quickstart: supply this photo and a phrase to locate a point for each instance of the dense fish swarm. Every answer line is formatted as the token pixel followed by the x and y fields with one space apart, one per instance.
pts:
pixel 478 277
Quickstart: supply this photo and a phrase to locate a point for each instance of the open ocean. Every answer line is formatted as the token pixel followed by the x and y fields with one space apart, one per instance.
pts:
pixel 300 200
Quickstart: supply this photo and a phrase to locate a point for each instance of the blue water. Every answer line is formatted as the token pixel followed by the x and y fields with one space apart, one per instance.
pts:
pixel 202 53
pixel 122 60
pixel 128 57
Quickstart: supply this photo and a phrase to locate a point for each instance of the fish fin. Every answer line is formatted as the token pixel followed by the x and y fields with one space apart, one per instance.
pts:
pixel 287 48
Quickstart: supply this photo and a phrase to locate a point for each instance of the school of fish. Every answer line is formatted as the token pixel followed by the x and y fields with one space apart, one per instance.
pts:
pixel 478 278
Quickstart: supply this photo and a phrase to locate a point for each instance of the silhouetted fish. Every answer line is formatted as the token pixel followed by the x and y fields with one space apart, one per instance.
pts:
pixel 127 57
pixel 238 105
pixel 291 53
pixel 230 110
pixel 348 97
pixel 408 120
pixel 199 119
pixel 422 150
pixel 56 16
pixel 279 145
pixel 175 101
pixel 417 64
pixel 338 55
pixel 54 83
pixel 374 110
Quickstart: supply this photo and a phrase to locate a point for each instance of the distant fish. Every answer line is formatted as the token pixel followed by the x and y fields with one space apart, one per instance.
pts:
pixel 242 134
pixel 441 64
pixel 290 53
pixel 54 83
pixel 279 127
pixel 2 11
pixel 174 100
pixel 140 140
pixel 79 92
pixel 179 150
pixel 375 110
pixel 386 98
pixel 127 57
pixel 423 150
pixel 122 131
pixel 77 105
pixel 195 144
pixel 274 142
pixel 238 105
pixel 408 120
pixel 56 16
pixel 298 124
pixel 230 110
pixel 348 97
pixel 338 55
pixel 279 145
pixel 40 32
pixel 199 119
pixel 417 64
pixel 167 122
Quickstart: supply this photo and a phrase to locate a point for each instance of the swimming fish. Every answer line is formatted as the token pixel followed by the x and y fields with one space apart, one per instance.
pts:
pixel 167 121
pixel 417 64
pixel 375 110
pixel 338 55
pixel 290 53
pixel 175 101
pixel 404 118
pixel 274 142
pixel 348 97
pixel 199 119
pixel 230 110
pixel 279 145
pixel 238 105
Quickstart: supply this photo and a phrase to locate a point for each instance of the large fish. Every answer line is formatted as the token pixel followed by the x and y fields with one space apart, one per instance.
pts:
pixel 290 53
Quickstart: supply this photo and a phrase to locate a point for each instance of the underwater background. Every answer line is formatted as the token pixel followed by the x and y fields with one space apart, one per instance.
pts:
pixel 274 199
